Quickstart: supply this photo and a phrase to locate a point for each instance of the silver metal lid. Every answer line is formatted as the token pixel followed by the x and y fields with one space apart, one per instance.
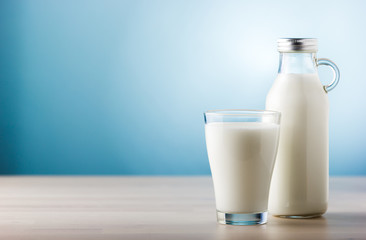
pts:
pixel 297 45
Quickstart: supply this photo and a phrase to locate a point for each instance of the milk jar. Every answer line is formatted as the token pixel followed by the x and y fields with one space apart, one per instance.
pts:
pixel 299 187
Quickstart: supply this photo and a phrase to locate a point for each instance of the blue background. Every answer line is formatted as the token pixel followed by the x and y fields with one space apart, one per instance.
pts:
pixel 119 87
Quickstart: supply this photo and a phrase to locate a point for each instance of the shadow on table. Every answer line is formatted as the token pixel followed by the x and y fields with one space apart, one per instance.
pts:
pixel 277 228
pixel 346 218
pixel 333 225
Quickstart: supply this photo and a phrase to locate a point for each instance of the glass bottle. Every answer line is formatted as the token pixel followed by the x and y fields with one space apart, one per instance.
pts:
pixel 299 187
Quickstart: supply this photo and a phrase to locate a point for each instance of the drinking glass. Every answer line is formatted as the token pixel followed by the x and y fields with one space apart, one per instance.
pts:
pixel 241 147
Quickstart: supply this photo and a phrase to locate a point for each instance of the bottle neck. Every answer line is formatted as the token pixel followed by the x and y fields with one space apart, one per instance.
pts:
pixel 299 63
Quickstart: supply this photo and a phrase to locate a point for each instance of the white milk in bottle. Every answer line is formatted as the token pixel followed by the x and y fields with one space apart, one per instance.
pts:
pixel 299 186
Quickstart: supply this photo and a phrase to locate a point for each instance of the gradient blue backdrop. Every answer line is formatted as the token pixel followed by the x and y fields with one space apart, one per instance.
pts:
pixel 119 87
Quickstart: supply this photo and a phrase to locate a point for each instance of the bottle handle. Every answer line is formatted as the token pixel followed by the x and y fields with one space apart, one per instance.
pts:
pixel 336 74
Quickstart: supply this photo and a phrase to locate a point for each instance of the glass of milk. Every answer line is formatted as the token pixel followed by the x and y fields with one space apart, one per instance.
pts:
pixel 242 147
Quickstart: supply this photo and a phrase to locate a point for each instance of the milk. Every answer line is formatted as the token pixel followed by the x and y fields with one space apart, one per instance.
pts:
pixel 300 179
pixel 241 156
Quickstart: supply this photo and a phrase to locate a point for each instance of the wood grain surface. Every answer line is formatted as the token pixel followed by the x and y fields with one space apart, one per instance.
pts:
pixel 157 208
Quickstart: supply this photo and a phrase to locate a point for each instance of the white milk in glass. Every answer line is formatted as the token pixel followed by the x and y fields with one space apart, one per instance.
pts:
pixel 241 156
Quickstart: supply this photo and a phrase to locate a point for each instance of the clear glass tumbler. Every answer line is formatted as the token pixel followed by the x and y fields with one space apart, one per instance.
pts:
pixel 242 147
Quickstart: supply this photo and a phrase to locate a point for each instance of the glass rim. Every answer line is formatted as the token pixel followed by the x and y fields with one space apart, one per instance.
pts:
pixel 241 112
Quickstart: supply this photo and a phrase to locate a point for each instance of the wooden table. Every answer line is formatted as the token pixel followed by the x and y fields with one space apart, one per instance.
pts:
pixel 156 208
